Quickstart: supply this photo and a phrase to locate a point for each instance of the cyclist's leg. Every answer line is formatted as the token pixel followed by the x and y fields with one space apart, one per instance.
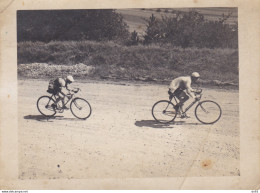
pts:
pixel 59 98
pixel 170 94
pixel 62 96
pixel 175 93
pixel 183 97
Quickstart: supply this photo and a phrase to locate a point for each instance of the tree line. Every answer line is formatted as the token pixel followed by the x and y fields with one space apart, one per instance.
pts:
pixel 183 29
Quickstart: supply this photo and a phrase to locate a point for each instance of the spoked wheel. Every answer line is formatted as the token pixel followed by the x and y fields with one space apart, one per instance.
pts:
pixel 80 108
pixel 163 111
pixel 208 112
pixel 44 106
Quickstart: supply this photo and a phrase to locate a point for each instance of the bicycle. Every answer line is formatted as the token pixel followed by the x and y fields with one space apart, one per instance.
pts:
pixel 207 111
pixel 79 107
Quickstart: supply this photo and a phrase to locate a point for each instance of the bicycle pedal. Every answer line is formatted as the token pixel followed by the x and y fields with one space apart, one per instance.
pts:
pixel 184 117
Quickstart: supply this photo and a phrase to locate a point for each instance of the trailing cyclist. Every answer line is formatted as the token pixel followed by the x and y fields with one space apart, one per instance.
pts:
pixel 57 87
pixel 181 88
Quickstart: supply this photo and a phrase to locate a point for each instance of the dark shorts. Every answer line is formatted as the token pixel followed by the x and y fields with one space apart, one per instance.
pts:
pixel 181 95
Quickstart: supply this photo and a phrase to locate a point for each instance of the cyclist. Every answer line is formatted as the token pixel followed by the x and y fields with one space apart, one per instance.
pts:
pixel 59 85
pixel 180 87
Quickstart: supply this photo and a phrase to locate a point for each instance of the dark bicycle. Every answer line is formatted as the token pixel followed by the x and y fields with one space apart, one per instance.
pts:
pixel 207 112
pixel 79 107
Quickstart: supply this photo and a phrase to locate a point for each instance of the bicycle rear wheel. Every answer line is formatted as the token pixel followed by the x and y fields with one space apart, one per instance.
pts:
pixel 208 112
pixel 80 108
pixel 44 106
pixel 163 111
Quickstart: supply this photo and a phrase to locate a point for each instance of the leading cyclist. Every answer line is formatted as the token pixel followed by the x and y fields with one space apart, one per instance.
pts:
pixel 59 89
pixel 180 87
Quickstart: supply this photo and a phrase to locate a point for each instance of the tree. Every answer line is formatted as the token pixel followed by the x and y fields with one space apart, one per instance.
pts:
pixel 190 29
pixel 47 25
pixel 134 39
pixel 153 31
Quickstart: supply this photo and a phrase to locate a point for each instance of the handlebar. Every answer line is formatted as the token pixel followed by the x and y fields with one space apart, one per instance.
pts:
pixel 74 92
pixel 198 93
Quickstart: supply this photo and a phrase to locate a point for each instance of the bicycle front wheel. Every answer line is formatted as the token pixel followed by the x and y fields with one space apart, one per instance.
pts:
pixel 80 108
pixel 44 106
pixel 163 111
pixel 208 112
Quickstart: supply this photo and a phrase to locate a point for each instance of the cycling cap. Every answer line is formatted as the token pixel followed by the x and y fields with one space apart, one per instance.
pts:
pixel 70 78
pixel 195 75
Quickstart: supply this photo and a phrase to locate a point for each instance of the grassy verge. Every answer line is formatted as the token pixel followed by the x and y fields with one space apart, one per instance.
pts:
pixel 108 60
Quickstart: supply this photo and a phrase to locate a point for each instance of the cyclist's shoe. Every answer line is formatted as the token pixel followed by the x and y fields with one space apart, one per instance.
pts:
pixel 54 106
pixel 65 108
pixel 184 116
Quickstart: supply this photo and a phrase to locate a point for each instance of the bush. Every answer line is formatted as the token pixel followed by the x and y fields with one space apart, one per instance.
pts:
pixel 135 62
pixel 134 39
pixel 190 29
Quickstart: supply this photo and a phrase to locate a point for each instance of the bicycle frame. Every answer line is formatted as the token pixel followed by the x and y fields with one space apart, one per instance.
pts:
pixel 190 105
pixel 195 101
pixel 65 103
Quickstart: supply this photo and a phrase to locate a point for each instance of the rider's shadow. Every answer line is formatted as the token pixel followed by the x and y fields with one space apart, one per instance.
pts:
pixel 185 123
pixel 154 124
pixel 157 125
pixel 43 118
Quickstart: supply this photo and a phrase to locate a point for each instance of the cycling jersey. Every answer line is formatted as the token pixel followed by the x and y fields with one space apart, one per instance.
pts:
pixel 59 82
pixel 182 83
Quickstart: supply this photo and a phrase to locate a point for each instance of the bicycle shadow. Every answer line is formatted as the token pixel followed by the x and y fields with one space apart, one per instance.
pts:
pixel 157 125
pixel 186 123
pixel 154 124
pixel 43 118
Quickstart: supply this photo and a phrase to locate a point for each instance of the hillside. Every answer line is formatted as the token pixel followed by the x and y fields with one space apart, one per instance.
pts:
pixel 135 18
pixel 112 61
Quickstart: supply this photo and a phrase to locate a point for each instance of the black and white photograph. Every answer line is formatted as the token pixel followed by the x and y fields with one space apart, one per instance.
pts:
pixel 128 93
pixel 122 62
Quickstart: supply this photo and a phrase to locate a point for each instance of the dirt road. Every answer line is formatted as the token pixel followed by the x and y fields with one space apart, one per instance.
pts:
pixel 121 139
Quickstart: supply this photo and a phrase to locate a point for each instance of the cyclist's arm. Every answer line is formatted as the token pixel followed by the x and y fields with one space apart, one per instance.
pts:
pixel 190 90
pixel 66 86
pixel 72 90
pixel 190 93
pixel 62 91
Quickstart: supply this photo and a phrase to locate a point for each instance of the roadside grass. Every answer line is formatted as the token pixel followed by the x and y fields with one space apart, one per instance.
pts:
pixel 113 61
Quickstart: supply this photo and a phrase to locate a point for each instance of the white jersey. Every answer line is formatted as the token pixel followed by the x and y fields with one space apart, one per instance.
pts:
pixel 183 83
